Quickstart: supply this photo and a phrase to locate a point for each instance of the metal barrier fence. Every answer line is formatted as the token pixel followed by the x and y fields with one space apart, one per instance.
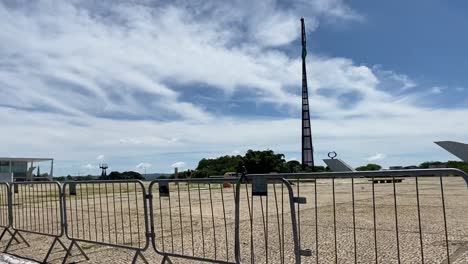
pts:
pixel 361 217
pixel 414 216
pixel 194 218
pixel 111 213
pixel 36 207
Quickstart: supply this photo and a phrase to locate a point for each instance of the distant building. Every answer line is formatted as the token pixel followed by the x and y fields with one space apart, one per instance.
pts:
pixel 21 169
pixel 412 167
pixel 395 167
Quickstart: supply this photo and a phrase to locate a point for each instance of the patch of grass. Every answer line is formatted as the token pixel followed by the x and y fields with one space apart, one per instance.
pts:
pixel 87 246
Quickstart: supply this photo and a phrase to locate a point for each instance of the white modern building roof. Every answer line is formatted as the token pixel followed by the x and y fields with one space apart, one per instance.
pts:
pixel 456 148
pixel 22 168
pixel 337 165
pixel 25 159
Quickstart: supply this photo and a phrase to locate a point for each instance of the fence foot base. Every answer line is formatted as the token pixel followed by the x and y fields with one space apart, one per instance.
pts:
pixel 56 239
pixel 5 230
pixel 13 237
pixel 69 251
pixel 63 246
pixel 166 260
pixel 24 240
pixel 138 254
pixel 3 233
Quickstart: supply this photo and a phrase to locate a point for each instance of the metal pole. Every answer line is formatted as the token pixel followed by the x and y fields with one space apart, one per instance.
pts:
pixel 52 169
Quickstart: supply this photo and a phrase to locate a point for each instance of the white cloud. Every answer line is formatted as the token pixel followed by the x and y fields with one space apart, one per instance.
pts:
pixel 179 164
pixel 137 50
pixel 143 165
pixel 89 166
pixel 437 89
pixel 100 157
pixel 391 78
pixel 120 80
pixel 376 157
pixel 130 141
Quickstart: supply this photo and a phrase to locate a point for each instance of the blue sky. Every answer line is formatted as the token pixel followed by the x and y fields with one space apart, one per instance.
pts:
pixel 155 84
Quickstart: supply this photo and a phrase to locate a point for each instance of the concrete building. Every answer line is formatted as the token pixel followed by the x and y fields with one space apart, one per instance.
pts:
pixel 337 165
pixel 22 169
pixel 456 148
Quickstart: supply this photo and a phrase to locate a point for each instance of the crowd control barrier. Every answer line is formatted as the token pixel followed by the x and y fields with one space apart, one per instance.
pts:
pixel 110 213
pixel 36 207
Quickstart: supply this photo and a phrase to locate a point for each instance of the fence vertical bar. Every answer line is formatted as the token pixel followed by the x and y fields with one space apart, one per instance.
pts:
pixel 445 220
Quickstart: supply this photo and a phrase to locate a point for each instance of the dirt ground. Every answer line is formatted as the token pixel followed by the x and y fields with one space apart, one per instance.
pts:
pixel 199 220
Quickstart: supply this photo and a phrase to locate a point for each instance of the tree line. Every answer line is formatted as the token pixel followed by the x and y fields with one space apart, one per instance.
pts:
pixel 268 161
pixel 253 161
pixel 115 175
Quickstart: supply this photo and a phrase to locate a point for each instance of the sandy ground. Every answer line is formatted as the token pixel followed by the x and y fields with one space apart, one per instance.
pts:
pixel 200 222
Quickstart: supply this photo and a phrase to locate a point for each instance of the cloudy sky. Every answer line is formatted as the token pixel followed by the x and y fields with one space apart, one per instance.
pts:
pixel 154 85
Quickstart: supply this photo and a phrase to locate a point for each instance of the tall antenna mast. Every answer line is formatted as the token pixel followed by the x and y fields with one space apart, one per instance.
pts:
pixel 307 148
pixel 104 168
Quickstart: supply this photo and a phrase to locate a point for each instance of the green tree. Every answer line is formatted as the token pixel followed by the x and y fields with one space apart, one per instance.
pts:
pixel 427 164
pixel 126 175
pixel 369 167
pixel 294 166
pixel 458 165
pixel 217 166
pixel 255 161
pixel 264 162
pixel 449 164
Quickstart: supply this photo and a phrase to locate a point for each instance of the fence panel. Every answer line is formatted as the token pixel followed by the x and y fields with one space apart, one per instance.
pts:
pixel 37 208
pixel 267 222
pixel 412 216
pixel 5 209
pixel 112 213
pixel 4 205
pixel 194 218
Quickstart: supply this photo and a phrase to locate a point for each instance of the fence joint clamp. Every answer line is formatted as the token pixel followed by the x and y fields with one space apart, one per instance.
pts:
pixel 305 252
pixel 150 235
pixel 300 200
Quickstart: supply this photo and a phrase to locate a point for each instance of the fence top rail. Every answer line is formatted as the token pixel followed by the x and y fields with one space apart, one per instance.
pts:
pixel 103 181
pixel 198 180
pixel 36 182
pixel 367 174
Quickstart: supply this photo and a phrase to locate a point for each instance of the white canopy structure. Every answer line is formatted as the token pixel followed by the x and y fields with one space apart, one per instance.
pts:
pixel 337 165
pixel 456 148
